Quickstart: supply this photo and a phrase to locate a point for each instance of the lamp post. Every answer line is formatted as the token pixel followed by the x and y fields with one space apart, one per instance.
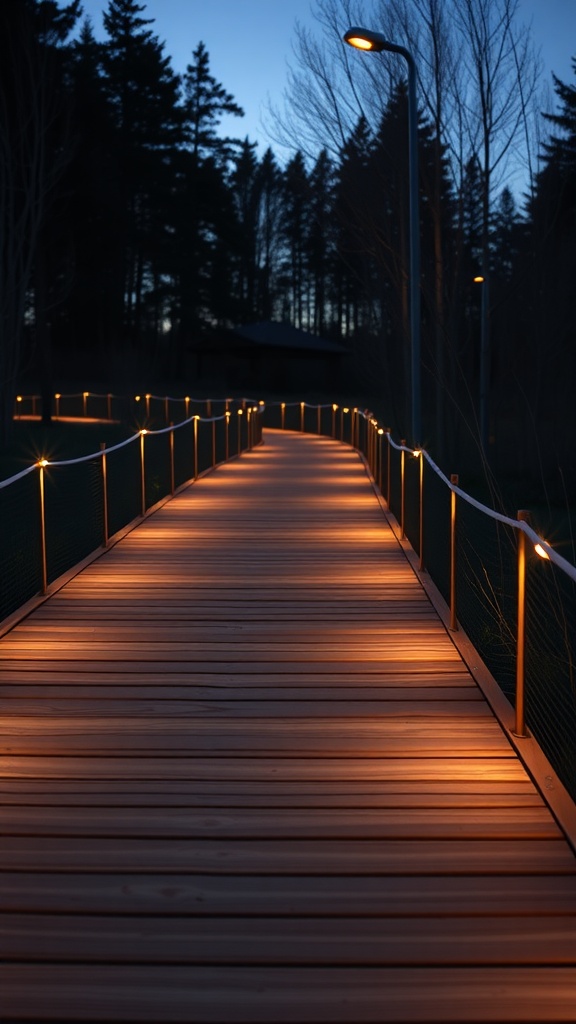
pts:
pixel 484 361
pixel 366 39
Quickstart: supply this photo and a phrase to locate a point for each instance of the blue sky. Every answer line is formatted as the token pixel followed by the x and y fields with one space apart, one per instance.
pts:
pixel 250 44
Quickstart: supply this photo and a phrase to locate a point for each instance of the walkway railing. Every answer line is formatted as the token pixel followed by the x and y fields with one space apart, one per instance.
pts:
pixel 56 513
pixel 504 585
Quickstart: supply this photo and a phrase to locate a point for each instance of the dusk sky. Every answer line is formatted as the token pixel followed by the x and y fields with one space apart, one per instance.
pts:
pixel 250 44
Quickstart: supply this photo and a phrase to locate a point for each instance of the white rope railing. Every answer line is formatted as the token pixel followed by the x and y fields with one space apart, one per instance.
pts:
pixel 247 433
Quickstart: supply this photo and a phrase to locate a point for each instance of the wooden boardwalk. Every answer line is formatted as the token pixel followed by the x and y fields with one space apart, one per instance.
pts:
pixel 246 777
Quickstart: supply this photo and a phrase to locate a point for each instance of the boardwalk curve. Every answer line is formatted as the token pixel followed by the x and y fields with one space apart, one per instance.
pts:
pixel 246 777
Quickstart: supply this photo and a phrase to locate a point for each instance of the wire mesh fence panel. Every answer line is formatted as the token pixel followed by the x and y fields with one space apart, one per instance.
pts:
pixel 219 438
pixel 412 500
pixel 436 530
pixel 73 514
pixel 124 486
pixel 156 467
pixel 204 445
pixel 395 498
pixel 550 659
pixel 183 454
pixel 74 406
pixel 20 546
pixel 487 589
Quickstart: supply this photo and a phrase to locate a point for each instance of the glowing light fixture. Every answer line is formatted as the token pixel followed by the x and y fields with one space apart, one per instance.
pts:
pixel 541 552
pixel 360 42
pixel 366 39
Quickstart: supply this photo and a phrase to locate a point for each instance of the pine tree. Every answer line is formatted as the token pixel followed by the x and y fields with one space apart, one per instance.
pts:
pixel 206 230
pixel 144 98
pixel 35 148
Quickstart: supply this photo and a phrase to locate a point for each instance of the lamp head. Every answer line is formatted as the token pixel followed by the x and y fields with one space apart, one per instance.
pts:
pixel 365 39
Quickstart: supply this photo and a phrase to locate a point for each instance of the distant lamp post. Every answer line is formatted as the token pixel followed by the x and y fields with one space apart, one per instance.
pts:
pixel 484 375
pixel 366 39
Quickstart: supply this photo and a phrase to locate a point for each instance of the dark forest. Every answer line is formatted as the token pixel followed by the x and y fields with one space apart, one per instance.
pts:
pixel 132 231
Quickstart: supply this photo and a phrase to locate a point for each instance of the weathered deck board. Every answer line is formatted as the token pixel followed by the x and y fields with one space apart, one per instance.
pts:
pixel 246 777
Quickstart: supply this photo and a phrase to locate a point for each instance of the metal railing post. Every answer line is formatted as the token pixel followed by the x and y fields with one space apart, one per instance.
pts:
pixel 104 494
pixel 282 415
pixel 142 473
pixel 172 475
pixel 213 443
pixel 402 487
pixel 453 620
pixel 421 511
pixel 43 556
pixel 166 410
pixel 240 412
pixel 196 418
pixel 520 724
pixel 388 431
pixel 227 435
pixel 319 419
pixel 302 407
pixel 334 408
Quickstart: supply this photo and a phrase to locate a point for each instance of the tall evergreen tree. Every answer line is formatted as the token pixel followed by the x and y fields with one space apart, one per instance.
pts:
pixel 206 227
pixel 144 97
pixel 35 148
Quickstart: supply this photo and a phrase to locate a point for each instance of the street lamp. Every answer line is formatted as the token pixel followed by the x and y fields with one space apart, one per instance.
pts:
pixel 366 39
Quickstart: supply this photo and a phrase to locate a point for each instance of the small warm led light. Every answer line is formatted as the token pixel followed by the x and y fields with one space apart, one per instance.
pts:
pixel 142 432
pixel 85 394
pixel 240 412
pixel 136 398
pixel 57 395
pixel 380 431
pixel 346 410
pixel 416 453
pixel 42 462
pixel 479 279
pixel 541 551
pixel 334 408
pixel 18 398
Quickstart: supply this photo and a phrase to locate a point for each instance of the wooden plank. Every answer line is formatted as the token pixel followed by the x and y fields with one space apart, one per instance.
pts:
pixel 233 792
pixel 336 897
pixel 423 823
pixel 234 995
pixel 374 941
pixel 302 703
pixel 458 857
pixel 292 769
